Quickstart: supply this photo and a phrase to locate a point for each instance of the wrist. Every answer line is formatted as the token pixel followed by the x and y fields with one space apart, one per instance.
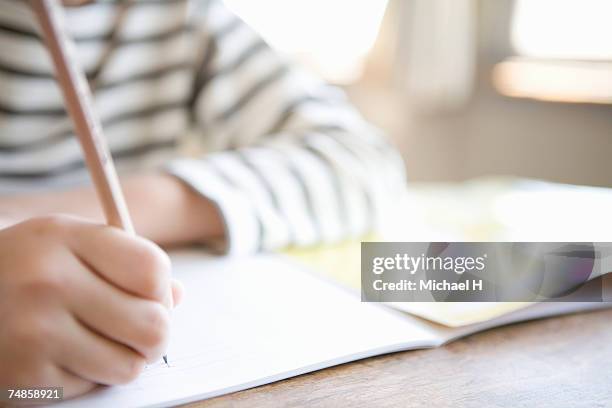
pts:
pixel 169 212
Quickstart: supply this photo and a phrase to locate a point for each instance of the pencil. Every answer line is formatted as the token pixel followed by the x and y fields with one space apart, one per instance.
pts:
pixel 87 126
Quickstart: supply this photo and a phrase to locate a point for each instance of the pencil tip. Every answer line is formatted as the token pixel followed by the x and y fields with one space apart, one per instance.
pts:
pixel 166 360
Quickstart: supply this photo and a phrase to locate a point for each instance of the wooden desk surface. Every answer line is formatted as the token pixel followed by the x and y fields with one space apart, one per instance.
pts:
pixel 558 362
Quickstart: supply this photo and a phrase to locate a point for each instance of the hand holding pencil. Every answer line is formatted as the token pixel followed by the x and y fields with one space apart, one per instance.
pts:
pixel 86 123
pixel 86 304
pixel 92 300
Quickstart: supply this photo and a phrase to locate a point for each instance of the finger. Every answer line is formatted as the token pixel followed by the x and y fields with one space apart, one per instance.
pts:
pixel 94 358
pixel 140 324
pixel 178 291
pixel 72 385
pixel 133 264
pixel 33 374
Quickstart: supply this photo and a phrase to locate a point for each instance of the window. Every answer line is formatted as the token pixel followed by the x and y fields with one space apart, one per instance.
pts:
pixel 564 52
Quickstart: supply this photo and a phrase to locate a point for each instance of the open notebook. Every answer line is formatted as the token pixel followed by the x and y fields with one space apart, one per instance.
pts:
pixel 253 321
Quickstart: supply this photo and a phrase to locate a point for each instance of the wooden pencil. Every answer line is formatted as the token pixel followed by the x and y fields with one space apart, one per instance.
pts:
pixel 87 126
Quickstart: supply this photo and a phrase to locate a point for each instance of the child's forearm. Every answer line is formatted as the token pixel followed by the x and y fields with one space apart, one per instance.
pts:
pixel 163 209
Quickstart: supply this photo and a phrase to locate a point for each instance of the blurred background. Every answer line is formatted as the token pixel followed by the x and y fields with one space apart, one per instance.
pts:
pixel 465 88
pixel 501 108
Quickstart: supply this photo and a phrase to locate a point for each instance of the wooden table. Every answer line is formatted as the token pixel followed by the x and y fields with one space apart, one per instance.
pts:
pixel 558 362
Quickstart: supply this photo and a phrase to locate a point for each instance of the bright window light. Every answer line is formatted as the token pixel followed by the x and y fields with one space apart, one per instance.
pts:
pixel 331 36
pixel 563 29
pixel 555 81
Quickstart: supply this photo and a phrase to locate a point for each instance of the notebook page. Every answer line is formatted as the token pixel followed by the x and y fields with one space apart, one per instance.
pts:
pixel 256 320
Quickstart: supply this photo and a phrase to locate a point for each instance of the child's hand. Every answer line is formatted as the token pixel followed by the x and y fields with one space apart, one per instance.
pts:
pixel 80 304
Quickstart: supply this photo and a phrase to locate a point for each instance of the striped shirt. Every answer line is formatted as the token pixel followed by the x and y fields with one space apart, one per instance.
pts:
pixel 282 155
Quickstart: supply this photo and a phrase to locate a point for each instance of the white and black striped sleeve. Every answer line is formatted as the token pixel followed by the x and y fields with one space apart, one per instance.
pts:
pixel 291 163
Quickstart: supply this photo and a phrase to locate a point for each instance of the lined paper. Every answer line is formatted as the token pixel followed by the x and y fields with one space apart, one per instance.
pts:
pixel 257 320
